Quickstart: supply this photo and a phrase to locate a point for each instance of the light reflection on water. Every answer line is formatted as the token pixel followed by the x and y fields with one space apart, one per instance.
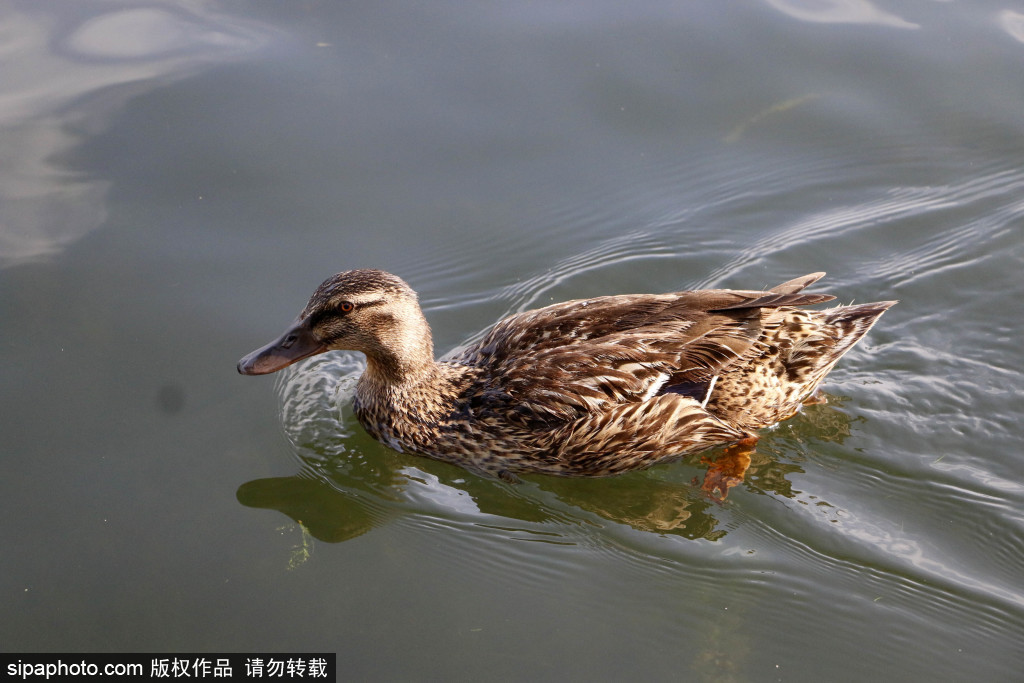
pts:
pixel 840 12
pixel 55 67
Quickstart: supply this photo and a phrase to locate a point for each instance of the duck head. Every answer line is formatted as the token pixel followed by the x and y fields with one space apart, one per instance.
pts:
pixel 365 310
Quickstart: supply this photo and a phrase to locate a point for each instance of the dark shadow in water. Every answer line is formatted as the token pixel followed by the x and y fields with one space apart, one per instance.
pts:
pixel 337 497
pixel 327 514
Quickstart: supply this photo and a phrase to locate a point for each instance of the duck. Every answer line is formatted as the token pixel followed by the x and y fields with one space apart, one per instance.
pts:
pixel 586 388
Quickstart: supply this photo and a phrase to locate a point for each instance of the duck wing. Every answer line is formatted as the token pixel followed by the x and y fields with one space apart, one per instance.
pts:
pixel 559 363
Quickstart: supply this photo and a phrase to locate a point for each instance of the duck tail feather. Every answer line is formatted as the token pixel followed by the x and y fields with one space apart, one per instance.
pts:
pixel 795 285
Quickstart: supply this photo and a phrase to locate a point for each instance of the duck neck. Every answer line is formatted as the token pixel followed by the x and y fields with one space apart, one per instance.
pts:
pixel 403 358
pixel 402 388
pixel 391 372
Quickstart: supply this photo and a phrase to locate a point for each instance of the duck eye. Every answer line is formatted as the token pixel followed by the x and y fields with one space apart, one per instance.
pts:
pixel 346 306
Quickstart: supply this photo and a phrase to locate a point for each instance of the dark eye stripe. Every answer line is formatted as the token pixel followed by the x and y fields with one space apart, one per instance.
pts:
pixel 317 315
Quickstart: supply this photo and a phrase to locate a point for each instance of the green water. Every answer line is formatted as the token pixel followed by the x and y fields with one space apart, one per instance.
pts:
pixel 175 179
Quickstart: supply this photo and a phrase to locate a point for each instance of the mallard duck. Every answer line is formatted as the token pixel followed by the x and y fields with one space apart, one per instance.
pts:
pixel 590 387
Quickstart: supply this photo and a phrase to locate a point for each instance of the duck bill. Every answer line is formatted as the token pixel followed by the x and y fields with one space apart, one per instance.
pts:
pixel 295 344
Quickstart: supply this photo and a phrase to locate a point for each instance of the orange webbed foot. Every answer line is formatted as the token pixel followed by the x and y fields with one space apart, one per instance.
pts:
pixel 728 469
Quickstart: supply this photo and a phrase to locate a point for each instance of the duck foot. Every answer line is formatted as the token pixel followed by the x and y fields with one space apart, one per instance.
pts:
pixel 815 399
pixel 728 469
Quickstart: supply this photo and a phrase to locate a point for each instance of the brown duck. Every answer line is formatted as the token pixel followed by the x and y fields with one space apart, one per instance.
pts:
pixel 591 387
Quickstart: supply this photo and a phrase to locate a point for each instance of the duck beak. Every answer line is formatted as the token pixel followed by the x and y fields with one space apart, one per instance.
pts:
pixel 295 344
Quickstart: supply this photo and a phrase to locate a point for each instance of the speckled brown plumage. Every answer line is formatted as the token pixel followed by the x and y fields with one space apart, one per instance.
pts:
pixel 589 387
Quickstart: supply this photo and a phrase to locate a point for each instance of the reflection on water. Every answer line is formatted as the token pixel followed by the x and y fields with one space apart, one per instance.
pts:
pixel 778 108
pixel 1013 23
pixel 153 34
pixel 323 511
pixel 349 484
pixel 55 68
pixel 839 12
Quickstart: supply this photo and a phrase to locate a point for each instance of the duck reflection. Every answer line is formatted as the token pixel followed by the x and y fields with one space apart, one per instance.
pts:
pixel 349 484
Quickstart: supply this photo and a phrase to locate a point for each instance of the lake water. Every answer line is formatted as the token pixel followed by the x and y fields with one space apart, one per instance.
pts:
pixel 177 177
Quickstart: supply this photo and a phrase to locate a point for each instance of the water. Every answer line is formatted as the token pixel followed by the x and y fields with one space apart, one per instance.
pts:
pixel 176 179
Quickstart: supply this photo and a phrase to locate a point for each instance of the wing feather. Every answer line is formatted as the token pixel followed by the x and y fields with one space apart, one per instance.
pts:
pixel 563 361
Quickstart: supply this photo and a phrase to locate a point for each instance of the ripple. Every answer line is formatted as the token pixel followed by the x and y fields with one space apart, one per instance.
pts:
pixel 872 566
pixel 633 247
pixel 992 200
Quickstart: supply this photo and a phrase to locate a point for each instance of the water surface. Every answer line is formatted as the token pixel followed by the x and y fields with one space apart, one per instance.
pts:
pixel 175 179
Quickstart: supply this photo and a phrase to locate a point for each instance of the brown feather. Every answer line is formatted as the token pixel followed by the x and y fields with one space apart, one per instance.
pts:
pixel 587 387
